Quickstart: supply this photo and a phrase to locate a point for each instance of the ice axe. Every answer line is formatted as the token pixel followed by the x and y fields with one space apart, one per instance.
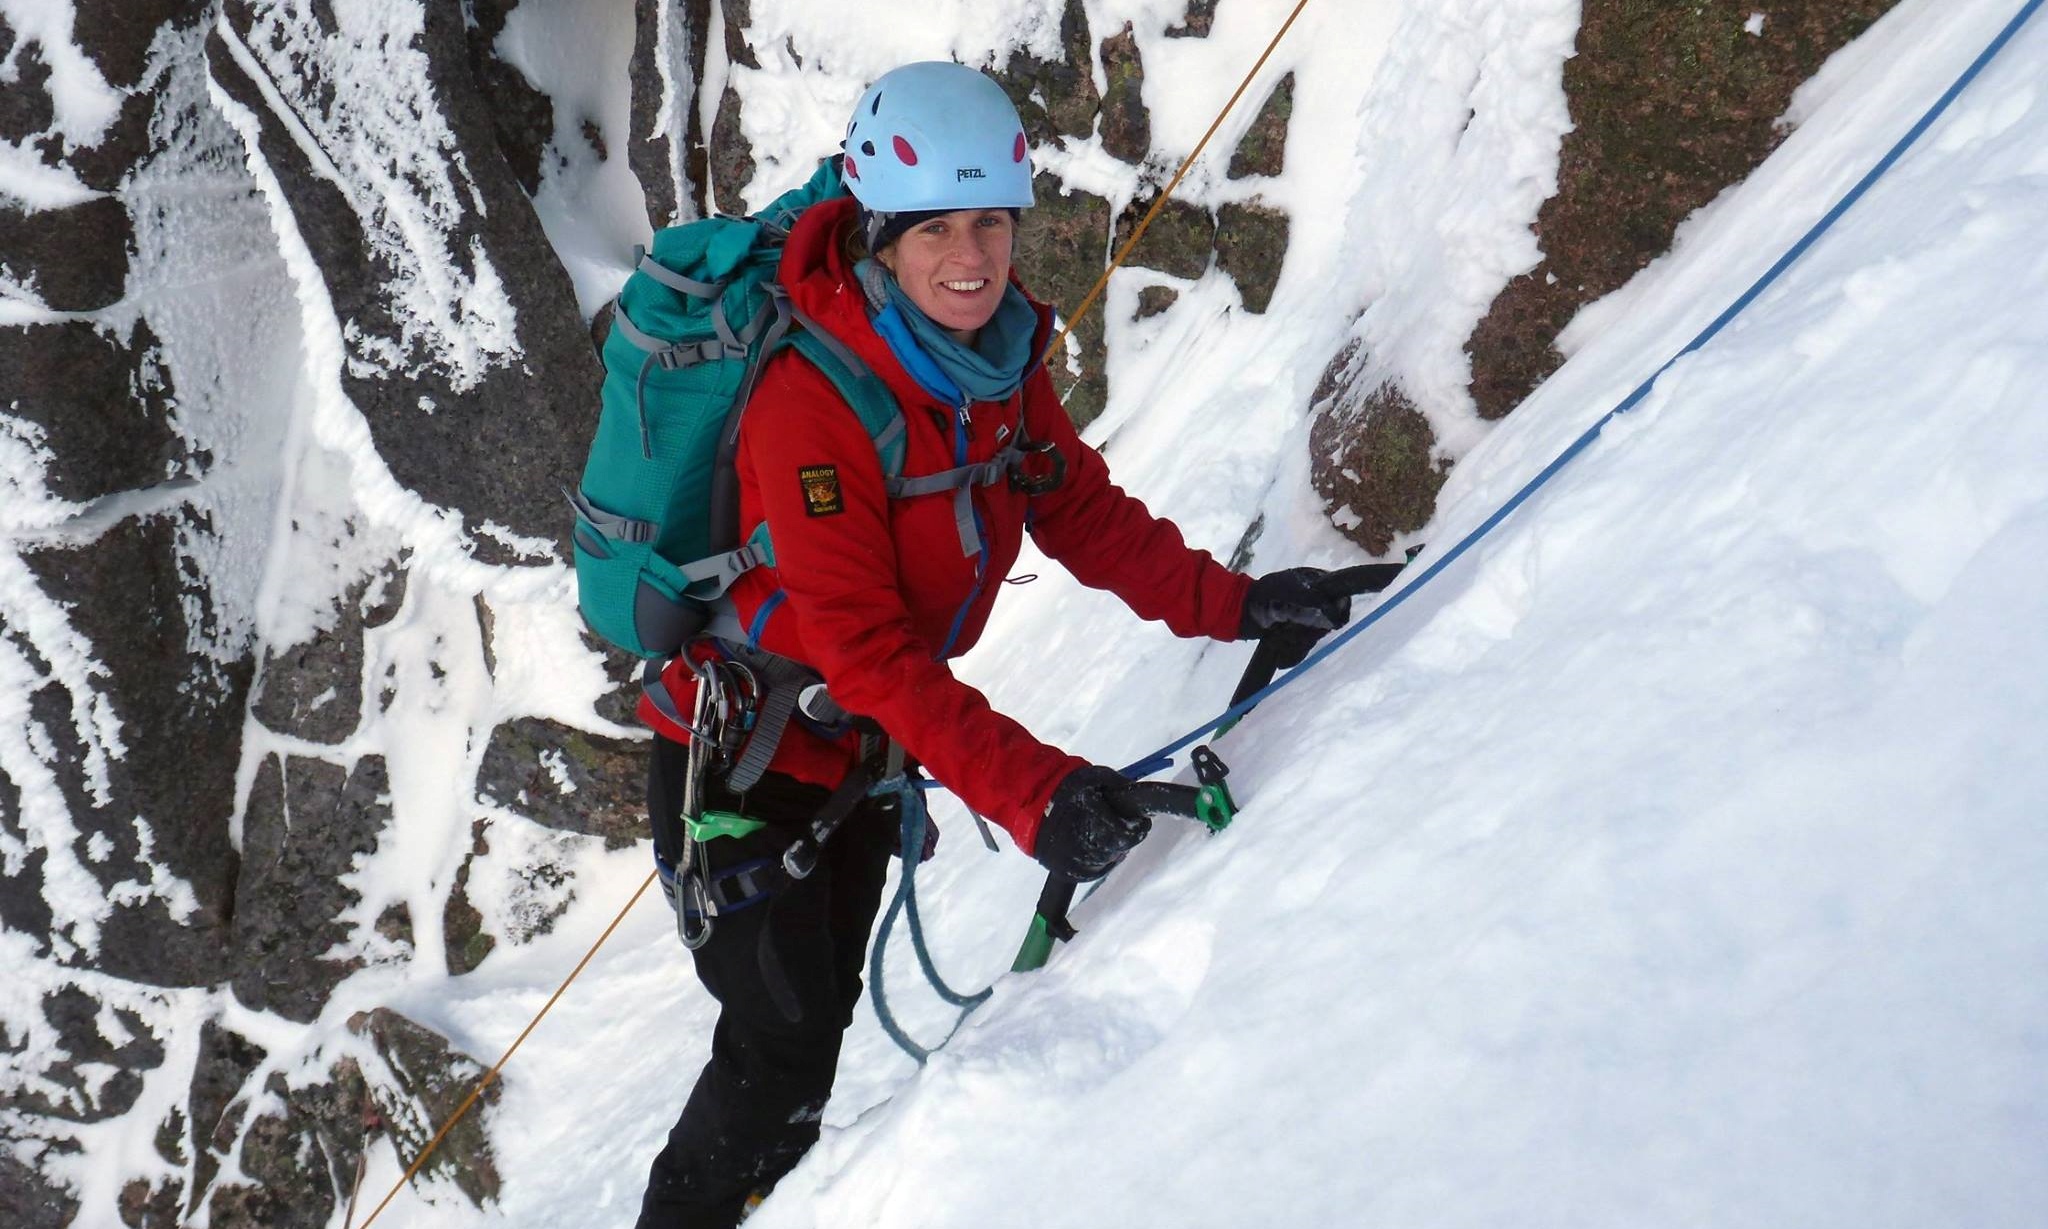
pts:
pixel 1210 802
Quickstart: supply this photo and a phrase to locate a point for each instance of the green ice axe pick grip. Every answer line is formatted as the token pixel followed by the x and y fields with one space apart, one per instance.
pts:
pixel 1208 804
pixel 1213 806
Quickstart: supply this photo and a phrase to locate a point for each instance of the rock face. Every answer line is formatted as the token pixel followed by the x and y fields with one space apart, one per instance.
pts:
pixel 1056 98
pixel 567 780
pixel 1669 105
pixel 1201 16
pixel 314 691
pixel 1126 127
pixel 308 824
pixel 1066 241
pixel 1251 246
pixel 1263 150
pixel 457 342
pixel 1374 462
pixel 431 1080
pixel 667 149
pixel 161 278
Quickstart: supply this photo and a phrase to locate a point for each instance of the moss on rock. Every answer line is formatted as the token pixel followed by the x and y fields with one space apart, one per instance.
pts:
pixel 1670 104
pixel 1251 246
pixel 1372 456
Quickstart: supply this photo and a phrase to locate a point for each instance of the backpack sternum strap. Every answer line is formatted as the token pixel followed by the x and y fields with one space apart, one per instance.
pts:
pixel 961 482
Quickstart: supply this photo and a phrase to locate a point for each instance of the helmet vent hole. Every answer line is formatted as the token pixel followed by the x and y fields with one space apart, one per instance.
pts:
pixel 868 148
pixel 905 152
pixel 875 107
pixel 1021 148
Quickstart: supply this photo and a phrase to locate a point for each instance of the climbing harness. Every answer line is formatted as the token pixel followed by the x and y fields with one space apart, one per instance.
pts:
pixel 735 725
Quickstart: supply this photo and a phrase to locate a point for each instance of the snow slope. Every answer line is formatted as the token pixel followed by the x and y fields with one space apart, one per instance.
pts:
pixel 1673 859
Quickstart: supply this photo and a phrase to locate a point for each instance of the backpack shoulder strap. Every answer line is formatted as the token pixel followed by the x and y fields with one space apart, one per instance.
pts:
pixel 863 390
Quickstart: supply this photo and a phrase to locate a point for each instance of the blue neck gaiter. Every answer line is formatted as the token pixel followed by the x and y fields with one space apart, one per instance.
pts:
pixel 991 369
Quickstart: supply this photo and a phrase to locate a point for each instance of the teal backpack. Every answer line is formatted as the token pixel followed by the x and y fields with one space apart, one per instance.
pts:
pixel 657 514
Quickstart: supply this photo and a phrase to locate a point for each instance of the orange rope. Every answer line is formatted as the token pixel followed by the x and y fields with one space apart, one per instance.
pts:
pixel 492 1074
pixel 1173 183
pixel 1057 342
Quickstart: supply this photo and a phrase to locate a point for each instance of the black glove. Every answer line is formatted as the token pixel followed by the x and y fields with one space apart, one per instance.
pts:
pixel 1090 824
pixel 1291 611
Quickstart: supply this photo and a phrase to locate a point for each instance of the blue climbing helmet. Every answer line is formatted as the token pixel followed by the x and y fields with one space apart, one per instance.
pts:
pixel 935 137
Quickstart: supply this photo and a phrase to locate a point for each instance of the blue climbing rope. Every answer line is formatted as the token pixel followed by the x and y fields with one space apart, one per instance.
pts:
pixel 911 801
pixel 1162 759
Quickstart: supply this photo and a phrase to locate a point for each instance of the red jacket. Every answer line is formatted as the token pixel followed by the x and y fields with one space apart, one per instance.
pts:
pixel 872 586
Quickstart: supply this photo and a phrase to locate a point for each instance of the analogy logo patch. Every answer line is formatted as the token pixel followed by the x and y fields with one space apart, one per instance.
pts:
pixel 821 489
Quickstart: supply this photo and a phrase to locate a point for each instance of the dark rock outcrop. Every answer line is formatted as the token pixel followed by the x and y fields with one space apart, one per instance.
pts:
pixel 101 403
pixel 1372 455
pixel 308 823
pixel 1126 124
pixel 567 780
pixel 430 1081
pixel 314 691
pixel 1670 104
pixel 1056 99
pixel 476 394
pixel 141 604
pixel 1155 300
pixel 1263 148
pixel 522 117
pixel 216 1104
pixel 462 926
pixel 300 1153
pixel 75 259
pixel 73 1017
pixel 731 156
pixel 302 1159
pixel 1180 240
pixel 1201 16
pixel 1060 250
pixel 1251 246
pixel 670 162
pixel 29 1200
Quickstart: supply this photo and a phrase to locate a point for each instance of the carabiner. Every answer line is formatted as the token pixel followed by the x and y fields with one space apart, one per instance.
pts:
pixel 1040 484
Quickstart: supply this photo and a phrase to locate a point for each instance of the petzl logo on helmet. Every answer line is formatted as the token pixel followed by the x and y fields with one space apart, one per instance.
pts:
pixel 968 172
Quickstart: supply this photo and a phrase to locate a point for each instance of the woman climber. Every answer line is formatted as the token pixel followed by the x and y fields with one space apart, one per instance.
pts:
pixel 875 584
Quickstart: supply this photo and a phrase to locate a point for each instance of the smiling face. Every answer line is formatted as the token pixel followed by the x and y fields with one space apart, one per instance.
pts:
pixel 954 267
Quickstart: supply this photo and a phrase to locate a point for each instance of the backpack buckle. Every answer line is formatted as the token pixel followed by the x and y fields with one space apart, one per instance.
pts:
pixel 1040 468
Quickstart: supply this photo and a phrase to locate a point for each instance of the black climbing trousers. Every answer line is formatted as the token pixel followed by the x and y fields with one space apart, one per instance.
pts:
pixel 786 974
